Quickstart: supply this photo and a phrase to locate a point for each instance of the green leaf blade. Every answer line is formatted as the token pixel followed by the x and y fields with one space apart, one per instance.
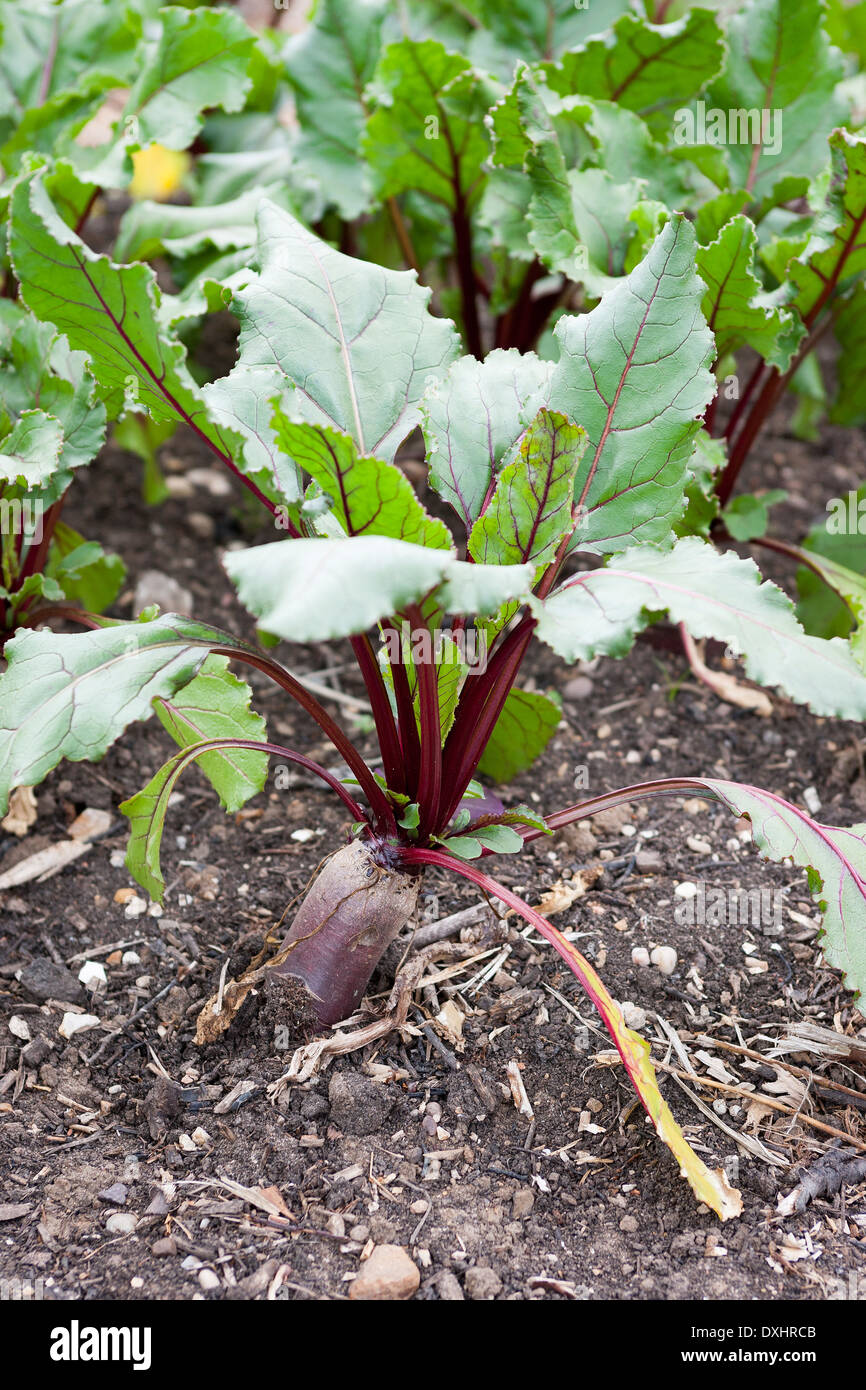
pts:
pixel 531 509
pixel 634 373
pixel 216 705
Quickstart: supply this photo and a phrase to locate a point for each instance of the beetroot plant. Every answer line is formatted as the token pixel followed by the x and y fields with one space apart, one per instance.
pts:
pixel 59 64
pixel 564 483
pixel 522 158
pixel 51 423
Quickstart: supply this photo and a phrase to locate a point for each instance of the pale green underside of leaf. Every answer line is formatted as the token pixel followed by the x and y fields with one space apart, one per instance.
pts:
pixel 329 64
pixel 37 364
pixel 836 856
pixel 633 373
pixel 522 731
pixel 713 595
pixel 30 451
pixel 356 341
pixel 71 696
pixel 474 416
pixel 149 229
pixel 312 590
pixel 851 588
pixel 216 704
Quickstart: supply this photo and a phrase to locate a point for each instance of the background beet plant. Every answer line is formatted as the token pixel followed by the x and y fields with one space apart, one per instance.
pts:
pixel 566 481
pixel 520 158
pixel 62 68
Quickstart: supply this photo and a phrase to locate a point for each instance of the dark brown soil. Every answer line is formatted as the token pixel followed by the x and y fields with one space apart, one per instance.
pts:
pixel 583 1201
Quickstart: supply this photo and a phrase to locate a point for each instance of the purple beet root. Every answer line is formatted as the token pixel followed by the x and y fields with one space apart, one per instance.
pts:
pixel 352 912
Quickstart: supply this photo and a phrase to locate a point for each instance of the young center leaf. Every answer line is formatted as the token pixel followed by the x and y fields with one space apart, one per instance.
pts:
pixel 633 373
pixel 739 311
pixel 368 496
pixel 473 417
pixel 531 508
pixel 713 595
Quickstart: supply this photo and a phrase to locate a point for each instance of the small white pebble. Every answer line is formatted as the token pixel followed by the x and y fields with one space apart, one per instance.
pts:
pixel 640 956
pixel 664 958
pixel 130 958
pixel 302 836
pixel 92 974
pixel 686 890
pixel 121 1223
pixel 136 1283
pixel 209 1279
pixel 698 845
pixel 19 1029
pixel 200 1136
pixel 117 859
pixel 812 800
pixel 71 1024
pixel 135 907
pixel 634 1015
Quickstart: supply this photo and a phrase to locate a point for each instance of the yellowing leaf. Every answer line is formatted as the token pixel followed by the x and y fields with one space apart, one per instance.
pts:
pixel 708 1186
pixel 158 172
